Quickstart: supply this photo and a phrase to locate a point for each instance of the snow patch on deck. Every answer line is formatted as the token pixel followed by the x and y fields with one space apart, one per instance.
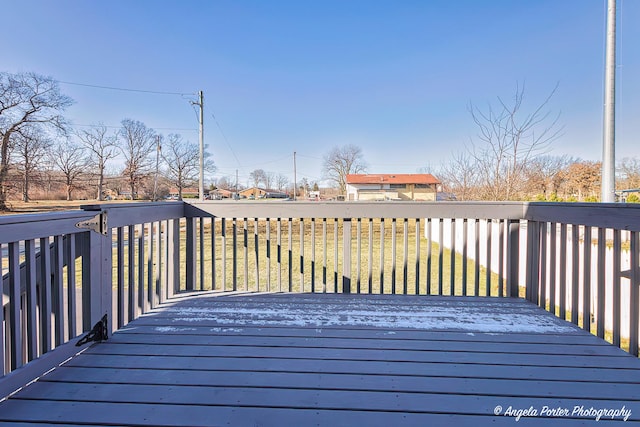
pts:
pixel 453 317
pixel 172 329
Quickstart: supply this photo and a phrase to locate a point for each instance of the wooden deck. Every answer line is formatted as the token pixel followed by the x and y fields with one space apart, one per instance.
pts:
pixel 331 360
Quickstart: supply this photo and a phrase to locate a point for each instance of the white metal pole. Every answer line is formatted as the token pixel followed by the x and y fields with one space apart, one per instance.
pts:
pixel 609 128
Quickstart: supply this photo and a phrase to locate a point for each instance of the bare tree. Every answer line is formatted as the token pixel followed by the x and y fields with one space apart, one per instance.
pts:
pixel 182 160
pixel 30 149
pixel 340 162
pixel 71 159
pixel 226 183
pixel 138 143
pixel 583 179
pixel 545 175
pixel 459 176
pixel 629 170
pixel 281 182
pixel 101 148
pixel 257 177
pixel 27 100
pixel 508 140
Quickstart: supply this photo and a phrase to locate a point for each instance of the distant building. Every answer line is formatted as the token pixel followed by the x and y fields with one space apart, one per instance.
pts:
pixel 419 186
pixel 262 193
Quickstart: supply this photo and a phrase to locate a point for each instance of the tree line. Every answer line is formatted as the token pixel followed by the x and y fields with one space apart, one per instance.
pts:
pixel 37 144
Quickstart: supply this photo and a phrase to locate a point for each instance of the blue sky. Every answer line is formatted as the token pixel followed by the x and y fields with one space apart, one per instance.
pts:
pixel 393 77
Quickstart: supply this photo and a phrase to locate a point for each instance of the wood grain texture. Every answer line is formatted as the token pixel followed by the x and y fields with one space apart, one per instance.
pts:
pixel 314 359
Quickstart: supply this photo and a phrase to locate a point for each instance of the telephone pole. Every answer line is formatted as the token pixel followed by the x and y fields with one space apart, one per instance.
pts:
pixel 295 183
pixel 201 180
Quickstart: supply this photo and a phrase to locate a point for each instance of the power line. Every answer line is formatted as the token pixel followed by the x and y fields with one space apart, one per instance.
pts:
pixel 118 127
pixel 126 89
pixel 225 139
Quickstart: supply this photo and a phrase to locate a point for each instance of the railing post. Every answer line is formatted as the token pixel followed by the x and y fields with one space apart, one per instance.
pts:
pixel 97 286
pixel 513 258
pixel 346 255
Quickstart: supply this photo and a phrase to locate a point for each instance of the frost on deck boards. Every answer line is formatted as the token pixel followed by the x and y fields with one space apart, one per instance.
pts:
pixel 331 360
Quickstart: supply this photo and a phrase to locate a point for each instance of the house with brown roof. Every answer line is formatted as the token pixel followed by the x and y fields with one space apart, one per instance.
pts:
pixel 416 186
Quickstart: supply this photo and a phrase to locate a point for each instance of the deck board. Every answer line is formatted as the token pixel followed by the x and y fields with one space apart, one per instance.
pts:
pixel 309 359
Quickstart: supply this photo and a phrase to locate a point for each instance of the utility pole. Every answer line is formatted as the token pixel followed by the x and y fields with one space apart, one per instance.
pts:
pixel 609 137
pixel 295 183
pixel 236 185
pixel 155 180
pixel 200 104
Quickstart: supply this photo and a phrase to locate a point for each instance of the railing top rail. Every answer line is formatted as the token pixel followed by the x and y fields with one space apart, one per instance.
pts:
pixel 604 215
pixel 33 226
pixel 283 209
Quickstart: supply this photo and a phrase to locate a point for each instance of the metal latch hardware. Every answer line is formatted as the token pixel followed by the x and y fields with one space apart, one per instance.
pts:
pixel 98 224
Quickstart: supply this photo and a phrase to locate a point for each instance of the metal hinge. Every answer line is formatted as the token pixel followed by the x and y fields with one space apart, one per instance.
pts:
pixel 98 224
pixel 100 332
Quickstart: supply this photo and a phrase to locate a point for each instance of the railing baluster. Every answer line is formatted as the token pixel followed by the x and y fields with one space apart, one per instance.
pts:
pixel 370 260
pixel 324 255
pixel 563 271
pixel 141 253
pixel 476 271
pixel 601 283
pixel 14 323
pixel 58 289
pixel 513 252
pixel 488 257
pixel 223 241
pixel 452 257
pixel 70 257
pixel 346 255
pixel 120 277
pixel 313 254
pixel 501 246
pixel 190 255
pixel 382 255
pixel 429 253
pixel 32 299
pixel 393 256
pixel 131 273
pixel 418 240
pixel 465 255
pixel 45 295
pixel 335 255
pixel 575 271
pixel 440 256
pixel 405 257
pixel 301 226
pixel 586 280
pixel 234 248
pixel 290 252
pixel 617 268
pixel 358 254
pixel 279 252
pixel 543 265
pixel 268 248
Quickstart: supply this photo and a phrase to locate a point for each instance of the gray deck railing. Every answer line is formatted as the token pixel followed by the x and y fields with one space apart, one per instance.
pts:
pixel 579 261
